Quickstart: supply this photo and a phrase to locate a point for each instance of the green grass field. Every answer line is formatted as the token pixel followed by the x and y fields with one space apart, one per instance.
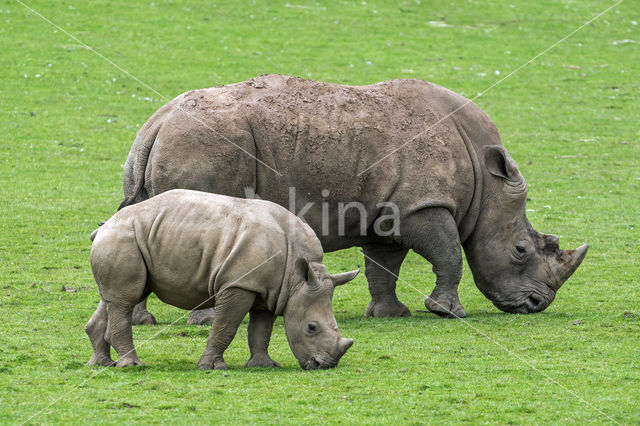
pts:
pixel 570 119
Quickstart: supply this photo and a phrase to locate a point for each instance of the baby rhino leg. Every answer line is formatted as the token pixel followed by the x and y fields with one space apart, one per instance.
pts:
pixel 231 307
pixel 96 329
pixel 120 333
pixel 260 327
pixel 121 274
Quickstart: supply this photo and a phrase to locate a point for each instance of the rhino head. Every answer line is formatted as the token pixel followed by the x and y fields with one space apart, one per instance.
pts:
pixel 309 322
pixel 517 268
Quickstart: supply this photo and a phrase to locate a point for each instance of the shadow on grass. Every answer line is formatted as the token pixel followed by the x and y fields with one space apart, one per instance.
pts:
pixel 189 367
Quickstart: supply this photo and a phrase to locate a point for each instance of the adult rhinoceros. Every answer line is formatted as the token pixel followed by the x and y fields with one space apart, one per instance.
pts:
pixel 404 147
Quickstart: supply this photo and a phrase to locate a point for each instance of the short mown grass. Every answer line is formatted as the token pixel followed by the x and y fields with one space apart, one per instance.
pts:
pixel 570 119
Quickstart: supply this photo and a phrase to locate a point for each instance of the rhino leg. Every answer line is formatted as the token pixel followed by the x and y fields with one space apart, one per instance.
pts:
pixel 260 328
pixel 382 265
pixel 120 334
pixel 231 307
pixel 141 315
pixel 96 329
pixel 432 233
pixel 201 317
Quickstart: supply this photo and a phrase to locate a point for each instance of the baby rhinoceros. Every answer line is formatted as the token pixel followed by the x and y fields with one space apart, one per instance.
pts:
pixel 198 250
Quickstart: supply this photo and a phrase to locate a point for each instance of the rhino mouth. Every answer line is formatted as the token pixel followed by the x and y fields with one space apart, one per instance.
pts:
pixel 529 304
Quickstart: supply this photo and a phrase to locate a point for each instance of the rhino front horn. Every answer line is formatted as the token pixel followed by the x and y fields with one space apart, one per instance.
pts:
pixel 345 344
pixel 571 259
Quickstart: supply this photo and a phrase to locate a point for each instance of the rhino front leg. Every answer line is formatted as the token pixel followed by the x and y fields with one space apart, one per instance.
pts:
pixel 432 233
pixel 141 315
pixel 260 328
pixel 231 307
pixel 381 266
pixel 96 329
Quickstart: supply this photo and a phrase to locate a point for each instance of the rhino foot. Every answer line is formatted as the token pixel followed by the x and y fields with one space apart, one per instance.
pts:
pixel 448 307
pixel 99 359
pixel 387 309
pixel 262 361
pixel 128 361
pixel 141 316
pixel 212 365
pixel 201 317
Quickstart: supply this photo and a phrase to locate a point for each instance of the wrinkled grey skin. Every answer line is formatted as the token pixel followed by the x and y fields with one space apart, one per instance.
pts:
pixel 444 167
pixel 194 249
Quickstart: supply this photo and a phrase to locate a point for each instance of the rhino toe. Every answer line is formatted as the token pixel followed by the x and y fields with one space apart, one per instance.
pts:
pixel 128 362
pixel 265 362
pixel 103 360
pixel 445 307
pixel 387 309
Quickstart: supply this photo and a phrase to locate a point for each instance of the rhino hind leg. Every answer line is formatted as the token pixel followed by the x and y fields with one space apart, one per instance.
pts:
pixel 259 335
pixel 96 329
pixel 141 315
pixel 120 334
pixel 433 234
pixel 201 317
pixel 231 307
pixel 382 265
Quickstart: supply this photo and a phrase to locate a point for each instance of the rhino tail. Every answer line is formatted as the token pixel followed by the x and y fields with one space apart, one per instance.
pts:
pixel 140 165
pixel 94 233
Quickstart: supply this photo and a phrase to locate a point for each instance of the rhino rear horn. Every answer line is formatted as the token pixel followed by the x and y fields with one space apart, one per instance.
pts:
pixel 345 277
pixel 571 259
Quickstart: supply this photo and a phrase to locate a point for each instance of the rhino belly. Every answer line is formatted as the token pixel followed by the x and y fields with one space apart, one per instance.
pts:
pixel 185 295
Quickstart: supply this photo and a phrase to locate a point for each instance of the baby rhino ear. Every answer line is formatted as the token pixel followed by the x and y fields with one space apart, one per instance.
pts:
pixel 302 268
pixel 345 277
pixel 500 164
pixel 310 271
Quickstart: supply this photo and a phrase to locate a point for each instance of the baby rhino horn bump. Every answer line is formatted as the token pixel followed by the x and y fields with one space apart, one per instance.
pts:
pixel 345 344
pixel 571 259
pixel 345 277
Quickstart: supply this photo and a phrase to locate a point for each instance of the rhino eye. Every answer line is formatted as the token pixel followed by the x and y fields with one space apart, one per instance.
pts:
pixel 520 249
pixel 311 328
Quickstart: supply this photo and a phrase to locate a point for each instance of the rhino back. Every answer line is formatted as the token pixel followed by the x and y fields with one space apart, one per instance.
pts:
pixel 322 136
pixel 196 244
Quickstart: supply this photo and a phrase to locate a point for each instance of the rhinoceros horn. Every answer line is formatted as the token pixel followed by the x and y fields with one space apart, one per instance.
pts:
pixel 344 345
pixel 316 270
pixel 345 277
pixel 566 264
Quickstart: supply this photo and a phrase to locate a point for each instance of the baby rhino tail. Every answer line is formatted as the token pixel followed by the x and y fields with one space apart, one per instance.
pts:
pixel 94 233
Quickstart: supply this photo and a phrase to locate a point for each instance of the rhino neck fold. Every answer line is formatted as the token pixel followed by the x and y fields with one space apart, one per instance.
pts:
pixel 470 218
pixel 287 283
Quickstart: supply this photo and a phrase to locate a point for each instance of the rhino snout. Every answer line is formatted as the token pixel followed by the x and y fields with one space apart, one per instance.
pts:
pixel 326 360
pixel 534 303
pixel 528 304
pixel 313 364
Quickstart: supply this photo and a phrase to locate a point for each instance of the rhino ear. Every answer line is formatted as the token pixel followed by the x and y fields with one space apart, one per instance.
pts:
pixel 302 268
pixel 500 164
pixel 309 271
